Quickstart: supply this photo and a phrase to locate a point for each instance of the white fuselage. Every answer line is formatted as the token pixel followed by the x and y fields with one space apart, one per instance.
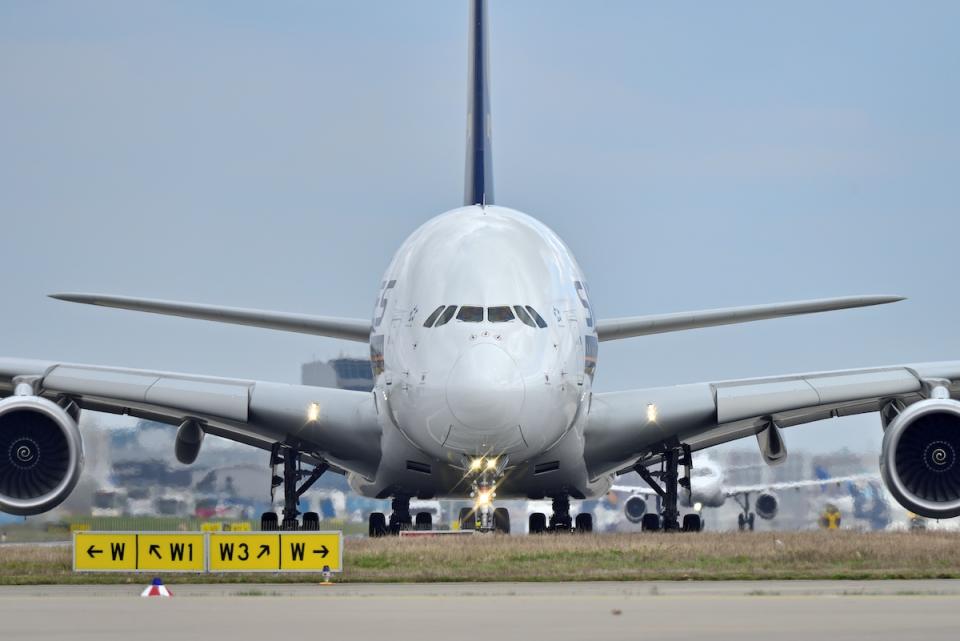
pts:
pixel 485 383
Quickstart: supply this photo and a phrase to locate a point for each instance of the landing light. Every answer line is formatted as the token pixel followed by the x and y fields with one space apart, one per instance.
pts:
pixel 476 464
pixel 313 412
pixel 484 498
pixel 697 506
pixel 491 464
pixel 651 413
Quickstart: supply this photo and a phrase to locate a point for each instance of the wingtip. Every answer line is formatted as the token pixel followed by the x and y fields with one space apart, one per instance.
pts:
pixel 71 298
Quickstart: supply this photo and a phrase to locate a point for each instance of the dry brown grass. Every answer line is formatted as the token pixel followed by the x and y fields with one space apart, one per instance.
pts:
pixel 714 556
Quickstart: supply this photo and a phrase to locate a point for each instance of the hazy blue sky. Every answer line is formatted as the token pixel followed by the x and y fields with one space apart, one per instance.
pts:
pixel 275 155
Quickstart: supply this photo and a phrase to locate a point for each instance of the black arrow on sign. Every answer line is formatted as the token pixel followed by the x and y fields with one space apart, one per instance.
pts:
pixel 155 551
pixel 92 550
pixel 323 551
pixel 264 549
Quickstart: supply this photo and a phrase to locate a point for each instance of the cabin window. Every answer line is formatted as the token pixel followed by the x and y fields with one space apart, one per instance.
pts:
pixel 524 316
pixel 537 318
pixel 470 314
pixel 432 317
pixel 446 315
pixel 499 314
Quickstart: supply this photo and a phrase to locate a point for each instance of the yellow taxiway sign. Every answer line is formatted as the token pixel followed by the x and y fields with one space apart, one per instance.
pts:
pixel 207 551
pixel 311 551
pixel 104 552
pixel 244 552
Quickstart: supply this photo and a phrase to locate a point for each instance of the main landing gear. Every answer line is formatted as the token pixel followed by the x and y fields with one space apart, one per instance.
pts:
pixel 293 471
pixel 560 520
pixel 400 519
pixel 746 518
pixel 667 489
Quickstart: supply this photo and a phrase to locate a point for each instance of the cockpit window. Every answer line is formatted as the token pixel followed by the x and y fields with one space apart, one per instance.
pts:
pixel 469 314
pixel 499 314
pixel 432 317
pixel 446 315
pixel 538 319
pixel 524 316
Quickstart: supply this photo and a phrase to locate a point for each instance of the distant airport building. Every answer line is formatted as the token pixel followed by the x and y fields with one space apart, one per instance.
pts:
pixel 346 373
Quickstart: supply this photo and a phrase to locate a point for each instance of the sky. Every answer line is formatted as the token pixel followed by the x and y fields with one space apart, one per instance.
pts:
pixel 692 155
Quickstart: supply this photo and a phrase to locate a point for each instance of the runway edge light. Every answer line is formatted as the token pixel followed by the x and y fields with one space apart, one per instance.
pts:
pixel 157 588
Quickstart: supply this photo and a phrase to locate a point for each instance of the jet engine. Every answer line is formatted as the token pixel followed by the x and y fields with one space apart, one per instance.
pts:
pixel 767 505
pixel 41 455
pixel 918 461
pixel 635 508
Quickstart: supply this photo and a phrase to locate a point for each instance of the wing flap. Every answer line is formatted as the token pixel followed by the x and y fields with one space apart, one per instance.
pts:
pixel 224 399
pixel 740 400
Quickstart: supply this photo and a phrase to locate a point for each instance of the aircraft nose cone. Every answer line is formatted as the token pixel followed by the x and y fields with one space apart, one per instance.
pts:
pixel 485 389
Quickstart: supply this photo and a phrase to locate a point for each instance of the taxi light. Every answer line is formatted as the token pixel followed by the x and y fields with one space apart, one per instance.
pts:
pixel 651 413
pixel 484 498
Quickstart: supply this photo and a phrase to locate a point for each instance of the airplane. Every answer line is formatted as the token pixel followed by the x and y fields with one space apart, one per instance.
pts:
pixel 708 489
pixel 484 345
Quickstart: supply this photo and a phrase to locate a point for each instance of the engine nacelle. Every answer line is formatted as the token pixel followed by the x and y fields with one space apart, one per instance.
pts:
pixel 767 505
pixel 635 508
pixel 919 459
pixel 41 455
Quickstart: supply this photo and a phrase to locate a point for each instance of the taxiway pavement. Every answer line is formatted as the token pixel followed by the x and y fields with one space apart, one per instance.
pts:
pixel 784 610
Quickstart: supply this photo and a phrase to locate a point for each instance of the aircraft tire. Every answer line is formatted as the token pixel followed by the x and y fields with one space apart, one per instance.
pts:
pixel 311 521
pixel 501 520
pixel 584 523
pixel 268 522
pixel 424 521
pixel 537 523
pixel 468 520
pixel 692 523
pixel 650 522
pixel 378 525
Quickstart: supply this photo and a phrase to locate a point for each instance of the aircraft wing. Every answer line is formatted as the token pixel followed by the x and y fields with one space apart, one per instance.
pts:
pixel 633 489
pixel 616 328
pixel 339 426
pixel 629 426
pixel 345 328
pixel 735 490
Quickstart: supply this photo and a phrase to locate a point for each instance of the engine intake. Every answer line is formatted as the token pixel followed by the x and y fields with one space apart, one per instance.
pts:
pixel 767 505
pixel 918 461
pixel 41 455
pixel 635 508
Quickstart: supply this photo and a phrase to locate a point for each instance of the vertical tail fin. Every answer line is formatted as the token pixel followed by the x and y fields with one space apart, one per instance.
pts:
pixel 478 179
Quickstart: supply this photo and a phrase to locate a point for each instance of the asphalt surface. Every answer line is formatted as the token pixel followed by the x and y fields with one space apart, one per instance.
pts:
pixel 875 610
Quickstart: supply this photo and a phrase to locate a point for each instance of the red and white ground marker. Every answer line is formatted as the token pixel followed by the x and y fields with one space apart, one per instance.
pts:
pixel 157 588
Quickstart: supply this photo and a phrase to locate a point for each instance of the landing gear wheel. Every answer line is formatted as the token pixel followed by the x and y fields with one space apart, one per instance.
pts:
pixel 268 522
pixel 741 522
pixel 692 523
pixel 650 522
pixel 501 520
pixel 584 522
pixel 378 525
pixel 311 521
pixel 468 519
pixel 290 525
pixel 750 520
pixel 424 521
pixel 537 523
